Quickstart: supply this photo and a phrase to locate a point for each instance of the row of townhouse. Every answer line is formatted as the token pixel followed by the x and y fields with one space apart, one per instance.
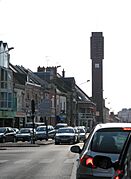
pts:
pixel 57 98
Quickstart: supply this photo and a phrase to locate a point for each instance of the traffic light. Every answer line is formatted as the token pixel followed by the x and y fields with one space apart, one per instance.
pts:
pixel 33 106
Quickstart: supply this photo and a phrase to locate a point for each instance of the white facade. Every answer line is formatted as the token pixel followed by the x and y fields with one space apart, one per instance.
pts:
pixel 4 56
pixel 125 115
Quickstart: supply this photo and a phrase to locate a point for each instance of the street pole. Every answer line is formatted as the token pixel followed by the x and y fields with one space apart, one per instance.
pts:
pixel 46 128
pixel 33 115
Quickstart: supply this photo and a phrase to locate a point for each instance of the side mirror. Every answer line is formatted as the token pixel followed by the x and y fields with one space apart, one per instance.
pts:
pixel 103 162
pixel 75 149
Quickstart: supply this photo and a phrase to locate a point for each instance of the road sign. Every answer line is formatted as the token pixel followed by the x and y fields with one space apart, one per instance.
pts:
pixel 45 107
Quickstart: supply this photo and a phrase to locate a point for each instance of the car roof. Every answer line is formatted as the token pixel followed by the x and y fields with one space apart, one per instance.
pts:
pixel 44 126
pixel 112 125
pixel 69 127
pixel 63 124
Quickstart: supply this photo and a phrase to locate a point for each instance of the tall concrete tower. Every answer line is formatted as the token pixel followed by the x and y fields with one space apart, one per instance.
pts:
pixel 97 56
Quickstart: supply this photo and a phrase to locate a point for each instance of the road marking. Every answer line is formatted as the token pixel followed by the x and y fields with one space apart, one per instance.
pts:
pixel 22 161
pixel 47 161
pixel 3 161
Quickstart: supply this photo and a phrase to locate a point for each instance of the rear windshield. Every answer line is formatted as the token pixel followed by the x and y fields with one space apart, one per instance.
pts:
pixel 109 140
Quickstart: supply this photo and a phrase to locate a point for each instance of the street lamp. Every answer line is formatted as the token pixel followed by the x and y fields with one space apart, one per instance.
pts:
pixel 84 82
pixel 11 48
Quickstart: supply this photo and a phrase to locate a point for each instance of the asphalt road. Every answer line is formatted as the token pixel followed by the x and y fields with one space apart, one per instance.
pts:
pixel 41 162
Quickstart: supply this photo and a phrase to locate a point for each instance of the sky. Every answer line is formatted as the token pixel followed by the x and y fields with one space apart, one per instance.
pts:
pixel 57 32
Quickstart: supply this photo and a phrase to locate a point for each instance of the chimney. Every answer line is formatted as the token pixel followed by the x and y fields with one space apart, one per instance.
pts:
pixel 63 73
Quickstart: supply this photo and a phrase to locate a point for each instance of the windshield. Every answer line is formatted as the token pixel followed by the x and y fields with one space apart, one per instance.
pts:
pixel 41 128
pixel 82 130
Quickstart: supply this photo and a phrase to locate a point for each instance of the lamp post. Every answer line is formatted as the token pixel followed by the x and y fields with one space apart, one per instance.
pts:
pixel 84 82
pixel 33 115
pixel 87 88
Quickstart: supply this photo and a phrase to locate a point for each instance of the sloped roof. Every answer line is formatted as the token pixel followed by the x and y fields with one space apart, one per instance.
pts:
pixel 21 73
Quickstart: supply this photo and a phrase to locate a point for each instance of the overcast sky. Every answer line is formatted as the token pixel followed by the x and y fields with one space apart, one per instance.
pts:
pixel 57 32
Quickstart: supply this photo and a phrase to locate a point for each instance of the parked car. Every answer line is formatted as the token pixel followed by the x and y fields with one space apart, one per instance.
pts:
pixel 122 167
pixel 7 134
pixel 82 133
pixel 16 130
pixel 43 132
pixel 25 134
pixel 66 135
pixel 105 139
pixel 77 134
pixel 36 124
pixel 51 134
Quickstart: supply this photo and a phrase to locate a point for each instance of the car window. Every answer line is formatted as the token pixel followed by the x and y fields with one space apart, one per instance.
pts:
pixel 2 130
pixel 41 128
pixel 109 141
pixel 82 130
pixel 24 131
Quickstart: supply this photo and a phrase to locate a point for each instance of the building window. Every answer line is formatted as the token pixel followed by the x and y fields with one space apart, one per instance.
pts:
pixel 3 85
pixel 5 100
pixel 9 100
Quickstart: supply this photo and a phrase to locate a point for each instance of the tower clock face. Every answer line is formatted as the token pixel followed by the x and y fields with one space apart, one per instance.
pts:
pixel 97 65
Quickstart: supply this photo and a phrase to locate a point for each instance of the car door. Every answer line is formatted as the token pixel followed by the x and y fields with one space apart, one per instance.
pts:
pixel 10 134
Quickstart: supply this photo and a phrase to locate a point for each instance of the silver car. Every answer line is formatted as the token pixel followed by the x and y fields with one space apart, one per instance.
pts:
pixel 105 139
pixel 66 135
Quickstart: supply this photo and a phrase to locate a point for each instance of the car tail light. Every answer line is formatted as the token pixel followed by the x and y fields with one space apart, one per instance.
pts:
pixel 119 174
pixel 87 161
pixel 127 128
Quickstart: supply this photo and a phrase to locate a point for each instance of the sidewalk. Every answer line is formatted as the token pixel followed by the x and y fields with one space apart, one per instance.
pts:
pixel 26 144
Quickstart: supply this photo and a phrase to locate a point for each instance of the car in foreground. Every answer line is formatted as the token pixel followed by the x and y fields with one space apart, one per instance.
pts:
pixel 25 134
pixel 105 139
pixel 45 132
pixel 122 167
pixel 66 135
pixel 7 134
